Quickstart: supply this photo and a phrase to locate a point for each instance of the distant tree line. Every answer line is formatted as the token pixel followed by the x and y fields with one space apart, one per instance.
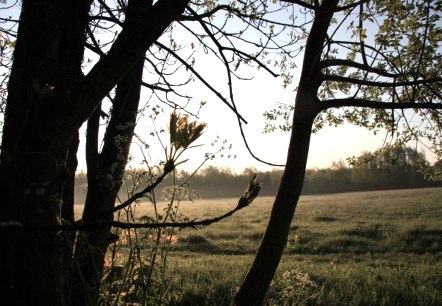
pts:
pixel 393 167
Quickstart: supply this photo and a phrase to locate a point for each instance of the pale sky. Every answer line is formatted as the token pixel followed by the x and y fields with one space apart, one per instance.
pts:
pixel 253 98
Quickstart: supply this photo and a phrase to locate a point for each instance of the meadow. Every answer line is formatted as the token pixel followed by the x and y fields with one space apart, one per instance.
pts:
pixel 362 248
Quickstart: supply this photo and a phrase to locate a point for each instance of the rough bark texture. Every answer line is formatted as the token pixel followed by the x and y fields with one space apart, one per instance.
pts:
pixel 253 290
pixel 33 169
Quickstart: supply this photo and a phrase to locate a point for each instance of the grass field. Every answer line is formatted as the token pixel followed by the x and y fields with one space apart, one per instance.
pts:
pixel 365 248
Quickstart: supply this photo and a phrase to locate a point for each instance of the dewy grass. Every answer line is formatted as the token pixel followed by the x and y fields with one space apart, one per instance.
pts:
pixel 367 248
pixel 361 284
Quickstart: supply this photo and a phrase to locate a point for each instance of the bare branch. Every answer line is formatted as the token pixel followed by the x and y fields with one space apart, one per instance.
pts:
pixel 119 60
pixel 201 78
pixel 337 78
pixel 229 9
pixel 168 167
pixel 154 87
pixel 250 194
pixel 14 226
pixel 323 8
pixel 349 63
pixel 252 58
pixel 355 102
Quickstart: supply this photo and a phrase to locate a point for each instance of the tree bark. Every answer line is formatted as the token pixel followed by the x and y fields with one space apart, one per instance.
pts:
pixel 257 281
pixel 67 208
pixel 33 173
pixel 307 106
pixel 105 173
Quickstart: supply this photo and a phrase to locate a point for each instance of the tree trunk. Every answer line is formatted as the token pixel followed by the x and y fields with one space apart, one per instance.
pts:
pixel 67 208
pixel 67 217
pixel 105 173
pixel 258 279
pixel 33 173
pixel 48 100
pixel 307 106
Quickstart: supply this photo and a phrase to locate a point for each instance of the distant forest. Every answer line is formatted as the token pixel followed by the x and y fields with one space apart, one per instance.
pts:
pixel 390 168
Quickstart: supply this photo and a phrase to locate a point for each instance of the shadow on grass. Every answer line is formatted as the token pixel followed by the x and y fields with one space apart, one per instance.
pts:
pixel 423 240
pixel 346 245
pixel 374 232
pixel 222 294
pixel 196 243
pixel 324 219
pixel 370 239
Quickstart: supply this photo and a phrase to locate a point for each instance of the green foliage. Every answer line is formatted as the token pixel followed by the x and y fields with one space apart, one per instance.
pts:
pixel 282 115
pixel 291 288
pixel 380 70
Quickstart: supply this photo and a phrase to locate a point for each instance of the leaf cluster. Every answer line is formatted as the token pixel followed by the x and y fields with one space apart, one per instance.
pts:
pixel 182 132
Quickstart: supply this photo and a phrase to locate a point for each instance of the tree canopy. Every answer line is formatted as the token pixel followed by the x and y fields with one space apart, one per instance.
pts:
pixel 363 63
pixel 380 70
pixel 372 63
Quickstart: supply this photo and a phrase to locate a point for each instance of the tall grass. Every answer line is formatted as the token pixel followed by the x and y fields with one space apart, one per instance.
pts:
pixel 366 248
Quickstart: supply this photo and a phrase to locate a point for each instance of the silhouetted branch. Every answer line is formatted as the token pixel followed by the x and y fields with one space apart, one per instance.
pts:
pixel 168 167
pixel 189 67
pixel 343 79
pixel 15 226
pixel 348 63
pixel 323 8
pixel 250 194
pixel 155 87
pixel 355 102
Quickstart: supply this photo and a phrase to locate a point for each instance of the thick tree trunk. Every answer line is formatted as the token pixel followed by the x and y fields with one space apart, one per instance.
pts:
pixel 47 65
pixel 307 106
pixel 257 281
pixel 48 100
pixel 105 172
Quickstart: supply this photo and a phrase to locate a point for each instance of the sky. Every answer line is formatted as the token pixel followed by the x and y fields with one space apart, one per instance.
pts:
pixel 253 97
pixel 329 145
